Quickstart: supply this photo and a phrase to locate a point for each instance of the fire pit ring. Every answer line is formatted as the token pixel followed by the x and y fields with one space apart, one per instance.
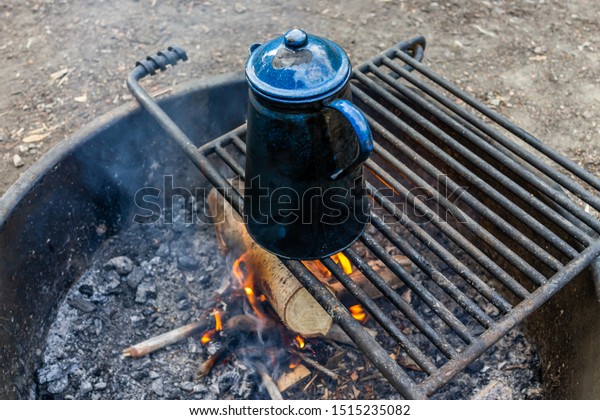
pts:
pixel 49 220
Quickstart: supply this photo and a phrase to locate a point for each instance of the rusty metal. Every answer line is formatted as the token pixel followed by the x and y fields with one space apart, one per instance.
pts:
pixel 492 219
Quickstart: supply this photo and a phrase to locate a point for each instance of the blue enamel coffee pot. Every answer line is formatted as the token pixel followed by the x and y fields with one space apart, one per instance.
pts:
pixel 306 142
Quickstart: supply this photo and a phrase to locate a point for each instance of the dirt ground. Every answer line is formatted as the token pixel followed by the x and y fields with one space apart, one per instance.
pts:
pixel 64 62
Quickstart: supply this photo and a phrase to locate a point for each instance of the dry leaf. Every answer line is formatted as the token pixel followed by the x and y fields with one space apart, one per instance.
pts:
pixel 354 376
pixel 407 363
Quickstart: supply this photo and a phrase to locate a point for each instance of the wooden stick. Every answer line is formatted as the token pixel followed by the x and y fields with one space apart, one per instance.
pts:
pixel 206 366
pixel 163 340
pixel 310 382
pixel 316 365
pixel 269 384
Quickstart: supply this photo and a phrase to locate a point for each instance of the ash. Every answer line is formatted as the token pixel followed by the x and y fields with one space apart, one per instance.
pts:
pixel 150 279
pixel 145 281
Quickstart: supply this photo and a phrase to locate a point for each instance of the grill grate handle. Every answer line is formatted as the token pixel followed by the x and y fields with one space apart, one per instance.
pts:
pixel 162 59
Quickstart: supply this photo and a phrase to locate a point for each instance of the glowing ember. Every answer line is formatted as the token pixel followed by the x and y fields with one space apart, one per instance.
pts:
pixel 293 363
pixel 207 337
pixel 358 312
pixel 299 341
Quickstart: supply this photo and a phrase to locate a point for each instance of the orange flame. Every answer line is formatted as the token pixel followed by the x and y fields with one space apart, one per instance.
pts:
pixel 358 312
pixel 299 342
pixel 218 321
pixel 319 270
pixel 246 280
pixel 207 337
pixel 343 261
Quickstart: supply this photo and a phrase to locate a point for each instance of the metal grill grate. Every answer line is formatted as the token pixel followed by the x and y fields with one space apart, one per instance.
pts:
pixel 491 218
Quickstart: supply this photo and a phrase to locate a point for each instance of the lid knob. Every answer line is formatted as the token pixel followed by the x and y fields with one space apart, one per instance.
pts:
pixel 295 38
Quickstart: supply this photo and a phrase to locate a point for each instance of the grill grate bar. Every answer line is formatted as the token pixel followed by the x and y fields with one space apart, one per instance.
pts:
pixel 371 348
pixel 436 339
pixel 501 275
pixel 509 126
pixel 430 300
pixel 461 216
pixel 229 160
pixel 503 140
pixel 465 196
pixel 440 279
pixel 504 325
pixel 485 166
pixel 551 214
pixel 519 169
pixel 454 292
pixel 481 208
pixel 486 291
pixel 377 313
pixel 515 210
pixel 444 227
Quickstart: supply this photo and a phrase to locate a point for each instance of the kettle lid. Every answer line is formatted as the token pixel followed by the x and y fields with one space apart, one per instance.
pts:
pixel 297 67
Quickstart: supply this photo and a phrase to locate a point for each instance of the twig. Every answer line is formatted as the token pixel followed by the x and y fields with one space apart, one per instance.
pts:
pixel 316 365
pixel 206 366
pixel 163 340
pixel 269 384
pixel 310 383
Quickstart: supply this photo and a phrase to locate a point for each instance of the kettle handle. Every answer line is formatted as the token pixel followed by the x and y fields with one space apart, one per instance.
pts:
pixel 363 133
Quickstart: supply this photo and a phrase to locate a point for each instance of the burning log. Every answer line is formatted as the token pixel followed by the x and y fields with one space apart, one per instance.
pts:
pixel 264 273
pixel 361 280
pixel 294 305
